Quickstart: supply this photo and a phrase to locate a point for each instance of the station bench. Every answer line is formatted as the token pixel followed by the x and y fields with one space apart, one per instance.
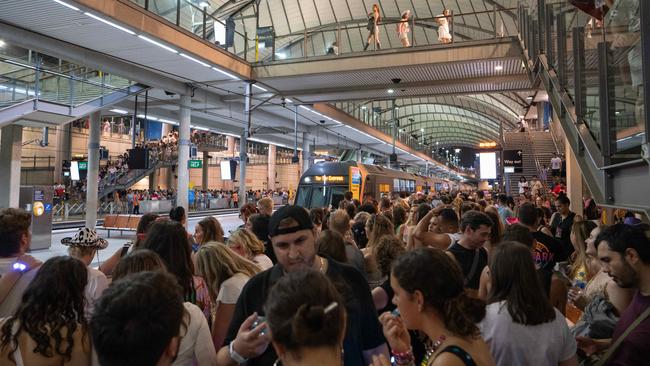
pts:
pixel 120 223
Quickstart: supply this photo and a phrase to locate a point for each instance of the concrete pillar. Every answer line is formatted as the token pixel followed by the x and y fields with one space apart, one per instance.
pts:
pixel 93 169
pixel 230 141
pixel 540 116
pixel 64 149
pixel 243 143
pixel 573 180
pixel 182 171
pixel 270 177
pixel 11 145
pixel 206 170
pixel 306 152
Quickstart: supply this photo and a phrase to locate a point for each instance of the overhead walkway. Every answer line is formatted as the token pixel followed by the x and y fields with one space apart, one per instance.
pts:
pixel 33 95
pixel 599 99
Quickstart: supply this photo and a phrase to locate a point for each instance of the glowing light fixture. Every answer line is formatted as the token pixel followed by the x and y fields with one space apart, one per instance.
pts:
pixel 114 25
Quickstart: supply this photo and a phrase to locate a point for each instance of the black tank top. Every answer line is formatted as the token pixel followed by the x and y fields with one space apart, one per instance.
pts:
pixel 460 353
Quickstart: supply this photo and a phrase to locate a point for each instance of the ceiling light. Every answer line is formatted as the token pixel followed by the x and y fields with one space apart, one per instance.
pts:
pixel 280 55
pixel 119 111
pixel 529 98
pixel 364 107
pixel 421 129
pixel 66 4
pixel 2 43
pixel 110 23
pixel 225 73
pixel 390 91
pixel 259 87
pixel 204 4
pixel 498 67
pixel 195 60
pixel 288 100
pixel 157 44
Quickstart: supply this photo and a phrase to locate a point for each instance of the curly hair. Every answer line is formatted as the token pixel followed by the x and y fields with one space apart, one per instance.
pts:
pixel 52 308
pixel 388 249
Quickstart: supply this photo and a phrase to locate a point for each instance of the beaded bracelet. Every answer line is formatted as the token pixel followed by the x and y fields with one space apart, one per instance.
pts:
pixel 404 358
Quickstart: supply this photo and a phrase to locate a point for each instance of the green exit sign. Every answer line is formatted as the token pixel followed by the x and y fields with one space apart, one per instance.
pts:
pixel 83 165
pixel 195 164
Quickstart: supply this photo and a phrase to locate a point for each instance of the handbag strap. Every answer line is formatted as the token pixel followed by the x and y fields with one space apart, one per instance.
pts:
pixel 620 339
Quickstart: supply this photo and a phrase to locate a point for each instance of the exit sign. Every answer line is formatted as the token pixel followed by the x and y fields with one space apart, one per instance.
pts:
pixel 195 164
pixel 83 165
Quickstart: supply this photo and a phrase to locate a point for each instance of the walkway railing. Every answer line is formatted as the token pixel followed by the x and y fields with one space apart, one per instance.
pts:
pixel 315 42
pixel 329 41
pixel 593 70
pixel 599 64
pixel 198 20
pixel 41 83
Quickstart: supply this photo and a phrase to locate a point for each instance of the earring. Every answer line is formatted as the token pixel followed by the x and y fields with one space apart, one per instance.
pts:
pixel 277 362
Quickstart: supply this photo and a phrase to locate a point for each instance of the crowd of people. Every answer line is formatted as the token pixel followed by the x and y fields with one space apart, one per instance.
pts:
pixel 426 279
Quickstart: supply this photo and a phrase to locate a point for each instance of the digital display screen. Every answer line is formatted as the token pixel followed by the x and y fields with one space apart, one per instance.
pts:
pixel 488 162
pixel 509 169
pixel 225 170
pixel 74 170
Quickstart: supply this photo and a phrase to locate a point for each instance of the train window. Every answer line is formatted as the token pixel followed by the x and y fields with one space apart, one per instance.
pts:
pixel 337 195
pixel 301 199
pixel 318 197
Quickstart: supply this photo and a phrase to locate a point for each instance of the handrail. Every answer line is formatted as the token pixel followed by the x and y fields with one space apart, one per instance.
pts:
pixel 294 39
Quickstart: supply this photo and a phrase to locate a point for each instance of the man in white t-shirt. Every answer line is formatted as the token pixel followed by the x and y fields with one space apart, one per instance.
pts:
pixel 556 165
pixel 83 246
pixel 15 239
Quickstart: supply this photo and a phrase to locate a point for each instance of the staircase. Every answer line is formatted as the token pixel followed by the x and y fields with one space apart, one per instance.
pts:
pixel 132 176
pixel 520 141
pixel 544 148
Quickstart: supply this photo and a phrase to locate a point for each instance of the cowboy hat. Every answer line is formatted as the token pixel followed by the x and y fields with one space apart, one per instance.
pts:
pixel 85 237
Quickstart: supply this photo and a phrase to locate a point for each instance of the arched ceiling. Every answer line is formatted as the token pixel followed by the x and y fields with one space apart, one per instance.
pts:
pixel 448 120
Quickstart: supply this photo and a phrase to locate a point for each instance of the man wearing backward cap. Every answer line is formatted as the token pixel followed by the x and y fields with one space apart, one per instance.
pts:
pixel 294 242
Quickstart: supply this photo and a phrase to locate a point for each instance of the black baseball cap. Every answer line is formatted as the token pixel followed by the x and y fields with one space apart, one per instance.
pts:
pixel 297 213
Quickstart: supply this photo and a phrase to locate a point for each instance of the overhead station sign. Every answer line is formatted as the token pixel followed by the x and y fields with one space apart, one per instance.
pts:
pixel 513 159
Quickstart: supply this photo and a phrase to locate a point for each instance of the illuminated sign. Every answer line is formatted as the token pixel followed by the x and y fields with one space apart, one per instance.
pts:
pixel 38 208
pixel 355 182
pixel 329 178
pixel 487 144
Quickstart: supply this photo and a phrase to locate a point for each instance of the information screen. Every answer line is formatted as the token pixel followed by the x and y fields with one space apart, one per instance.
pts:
pixel 488 162
pixel 74 170
pixel 225 170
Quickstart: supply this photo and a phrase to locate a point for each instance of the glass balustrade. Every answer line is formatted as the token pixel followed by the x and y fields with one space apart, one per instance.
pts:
pixel 609 62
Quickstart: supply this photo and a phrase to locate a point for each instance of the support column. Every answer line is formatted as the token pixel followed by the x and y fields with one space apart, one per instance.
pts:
pixel 573 180
pixel 182 170
pixel 64 148
pixel 270 176
pixel 206 169
pixel 243 143
pixel 230 141
pixel 11 145
pixel 306 152
pixel 93 170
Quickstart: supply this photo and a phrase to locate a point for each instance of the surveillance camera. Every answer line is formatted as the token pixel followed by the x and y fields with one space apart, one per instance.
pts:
pixel 322 121
pixel 396 80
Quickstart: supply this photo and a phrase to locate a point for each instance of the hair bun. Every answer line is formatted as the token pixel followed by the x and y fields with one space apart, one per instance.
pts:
pixel 308 319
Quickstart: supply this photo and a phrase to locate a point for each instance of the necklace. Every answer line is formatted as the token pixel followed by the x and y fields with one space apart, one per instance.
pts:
pixel 431 349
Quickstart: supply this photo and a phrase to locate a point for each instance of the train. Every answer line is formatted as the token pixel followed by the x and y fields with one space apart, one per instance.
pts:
pixel 324 184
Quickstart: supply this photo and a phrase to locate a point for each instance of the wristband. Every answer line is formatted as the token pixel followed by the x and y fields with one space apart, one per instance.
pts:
pixel 404 358
pixel 234 355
